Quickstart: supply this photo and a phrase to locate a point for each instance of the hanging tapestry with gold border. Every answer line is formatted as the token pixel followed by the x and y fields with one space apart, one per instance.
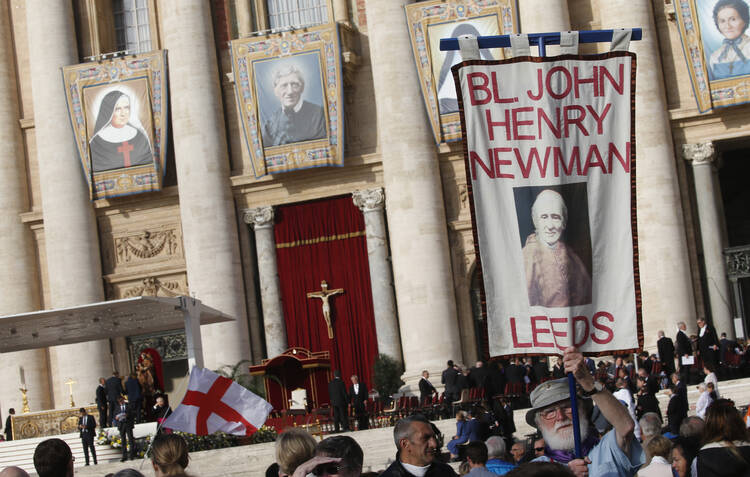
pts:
pixel 290 95
pixel 432 20
pixel 118 112
pixel 717 50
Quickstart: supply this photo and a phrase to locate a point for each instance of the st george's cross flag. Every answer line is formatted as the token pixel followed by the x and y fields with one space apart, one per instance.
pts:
pixel 214 403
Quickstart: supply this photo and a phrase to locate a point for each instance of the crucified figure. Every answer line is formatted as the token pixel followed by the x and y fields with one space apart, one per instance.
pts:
pixel 323 294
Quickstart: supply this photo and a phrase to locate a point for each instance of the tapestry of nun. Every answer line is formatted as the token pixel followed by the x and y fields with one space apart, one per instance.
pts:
pixel 118 141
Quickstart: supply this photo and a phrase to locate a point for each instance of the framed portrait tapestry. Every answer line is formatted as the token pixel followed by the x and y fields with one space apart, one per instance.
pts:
pixel 118 112
pixel 432 20
pixel 290 97
pixel 716 44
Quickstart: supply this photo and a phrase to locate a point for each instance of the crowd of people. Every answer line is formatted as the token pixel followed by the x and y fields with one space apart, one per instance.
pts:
pixel 622 429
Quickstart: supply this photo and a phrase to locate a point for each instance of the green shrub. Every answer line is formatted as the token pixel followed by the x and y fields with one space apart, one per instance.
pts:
pixel 386 376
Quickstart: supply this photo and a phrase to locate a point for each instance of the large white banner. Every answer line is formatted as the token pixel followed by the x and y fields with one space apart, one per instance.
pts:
pixel 550 162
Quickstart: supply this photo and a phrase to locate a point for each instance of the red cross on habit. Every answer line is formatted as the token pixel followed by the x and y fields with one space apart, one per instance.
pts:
pixel 125 150
pixel 210 403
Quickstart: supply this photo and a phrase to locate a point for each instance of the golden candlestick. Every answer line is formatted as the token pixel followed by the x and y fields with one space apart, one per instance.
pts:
pixel 70 384
pixel 24 399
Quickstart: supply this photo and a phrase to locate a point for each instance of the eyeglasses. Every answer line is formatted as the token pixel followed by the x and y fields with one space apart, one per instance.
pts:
pixel 330 469
pixel 539 449
pixel 551 412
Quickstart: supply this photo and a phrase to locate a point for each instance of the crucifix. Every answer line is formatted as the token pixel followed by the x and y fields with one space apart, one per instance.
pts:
pixel 323 294
pixel 70 384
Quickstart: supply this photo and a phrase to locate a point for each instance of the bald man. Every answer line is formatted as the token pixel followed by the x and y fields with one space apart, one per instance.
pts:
pixel 555 275
pixel 13 472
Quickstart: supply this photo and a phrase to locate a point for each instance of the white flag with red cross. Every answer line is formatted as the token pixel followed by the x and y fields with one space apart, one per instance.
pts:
pixel 214 403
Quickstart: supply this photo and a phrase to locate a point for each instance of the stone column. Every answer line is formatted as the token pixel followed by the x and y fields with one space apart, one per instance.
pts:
pixel 556 17
pixel 261 219
pixel 341 11
pixel 70 235
pixel 414 197
pixel 19 273
pixel 371 203
pixel 209 222
pixel 708 196
pixel 666 287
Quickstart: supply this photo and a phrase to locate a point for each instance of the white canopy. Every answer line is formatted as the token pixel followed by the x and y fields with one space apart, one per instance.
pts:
pixel 109 319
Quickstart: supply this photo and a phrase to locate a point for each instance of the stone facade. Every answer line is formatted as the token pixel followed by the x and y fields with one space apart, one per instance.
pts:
pixel 199 237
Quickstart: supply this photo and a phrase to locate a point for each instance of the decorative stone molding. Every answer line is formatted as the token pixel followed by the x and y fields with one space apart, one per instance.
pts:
pixel 699 153
pixel 259 217
pixel 170 345
pixel 738 262
pixel 146 245
pixel 152 286
pixel 369 200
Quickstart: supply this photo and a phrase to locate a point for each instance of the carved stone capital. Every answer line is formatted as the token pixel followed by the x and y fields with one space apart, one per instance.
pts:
pixel 369 200
pixel 700 153
pixel 259 217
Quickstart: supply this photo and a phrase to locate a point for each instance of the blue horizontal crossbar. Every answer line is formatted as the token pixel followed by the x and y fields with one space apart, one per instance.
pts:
pixel 503 41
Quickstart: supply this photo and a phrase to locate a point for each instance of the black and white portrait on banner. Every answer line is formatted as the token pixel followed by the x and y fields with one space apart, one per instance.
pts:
pixel 291 99
pixel 443 60
pixel 726 44
pixel 119 125
pixel 553 224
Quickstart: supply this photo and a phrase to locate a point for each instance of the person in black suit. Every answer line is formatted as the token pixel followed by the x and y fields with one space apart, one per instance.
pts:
pixel 101 402
pixel 8 425
pixel 87 426
pixel 478 375
pixel 358 394
pixel 426 389
pixel 708 343
pixel 339 402
pixel 683 349
pixel 135 395
pixel 665 348
pixel 125 418
pixel 677 408
pixel 114 389
pixel 450 379
pixel 515 372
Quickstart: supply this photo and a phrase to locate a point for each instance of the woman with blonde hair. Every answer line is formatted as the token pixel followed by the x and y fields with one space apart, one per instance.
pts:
pixel 293 447
pixel 658 452
pixel 169 455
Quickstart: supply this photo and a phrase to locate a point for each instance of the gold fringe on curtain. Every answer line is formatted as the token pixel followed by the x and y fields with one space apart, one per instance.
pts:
pixel 329 238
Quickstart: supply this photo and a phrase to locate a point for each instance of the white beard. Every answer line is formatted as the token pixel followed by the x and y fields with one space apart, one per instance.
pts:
pixel 563 439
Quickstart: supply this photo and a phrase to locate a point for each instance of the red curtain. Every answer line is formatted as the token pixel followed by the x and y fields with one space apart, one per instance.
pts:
pixel 325 240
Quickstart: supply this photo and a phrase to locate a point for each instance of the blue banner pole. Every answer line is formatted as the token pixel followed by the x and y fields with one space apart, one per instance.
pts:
pixel 574 408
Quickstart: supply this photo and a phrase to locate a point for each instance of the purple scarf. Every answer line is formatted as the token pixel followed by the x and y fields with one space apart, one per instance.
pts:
pixel 565 456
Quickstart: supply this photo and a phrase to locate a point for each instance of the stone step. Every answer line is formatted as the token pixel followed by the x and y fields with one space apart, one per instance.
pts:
pixel 20 453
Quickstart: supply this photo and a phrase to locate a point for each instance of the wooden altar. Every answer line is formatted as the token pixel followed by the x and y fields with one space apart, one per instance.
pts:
pixel 48 423
pixel 293 369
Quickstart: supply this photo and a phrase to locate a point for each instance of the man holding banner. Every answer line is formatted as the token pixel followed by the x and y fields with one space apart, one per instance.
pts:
pixel 550 158
pixel 617 453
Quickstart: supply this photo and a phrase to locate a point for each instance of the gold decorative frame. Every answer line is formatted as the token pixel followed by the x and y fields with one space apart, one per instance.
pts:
pixel 428 17
pixel 709 93
pixel 322 42
pixel 149 71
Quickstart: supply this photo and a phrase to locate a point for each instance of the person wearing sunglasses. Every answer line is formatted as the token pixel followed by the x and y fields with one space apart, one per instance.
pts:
pixel 617 453
pixel 337 455
pixel 539 447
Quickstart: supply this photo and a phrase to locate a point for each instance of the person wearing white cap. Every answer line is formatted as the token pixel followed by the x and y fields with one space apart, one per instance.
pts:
pixel 616 454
